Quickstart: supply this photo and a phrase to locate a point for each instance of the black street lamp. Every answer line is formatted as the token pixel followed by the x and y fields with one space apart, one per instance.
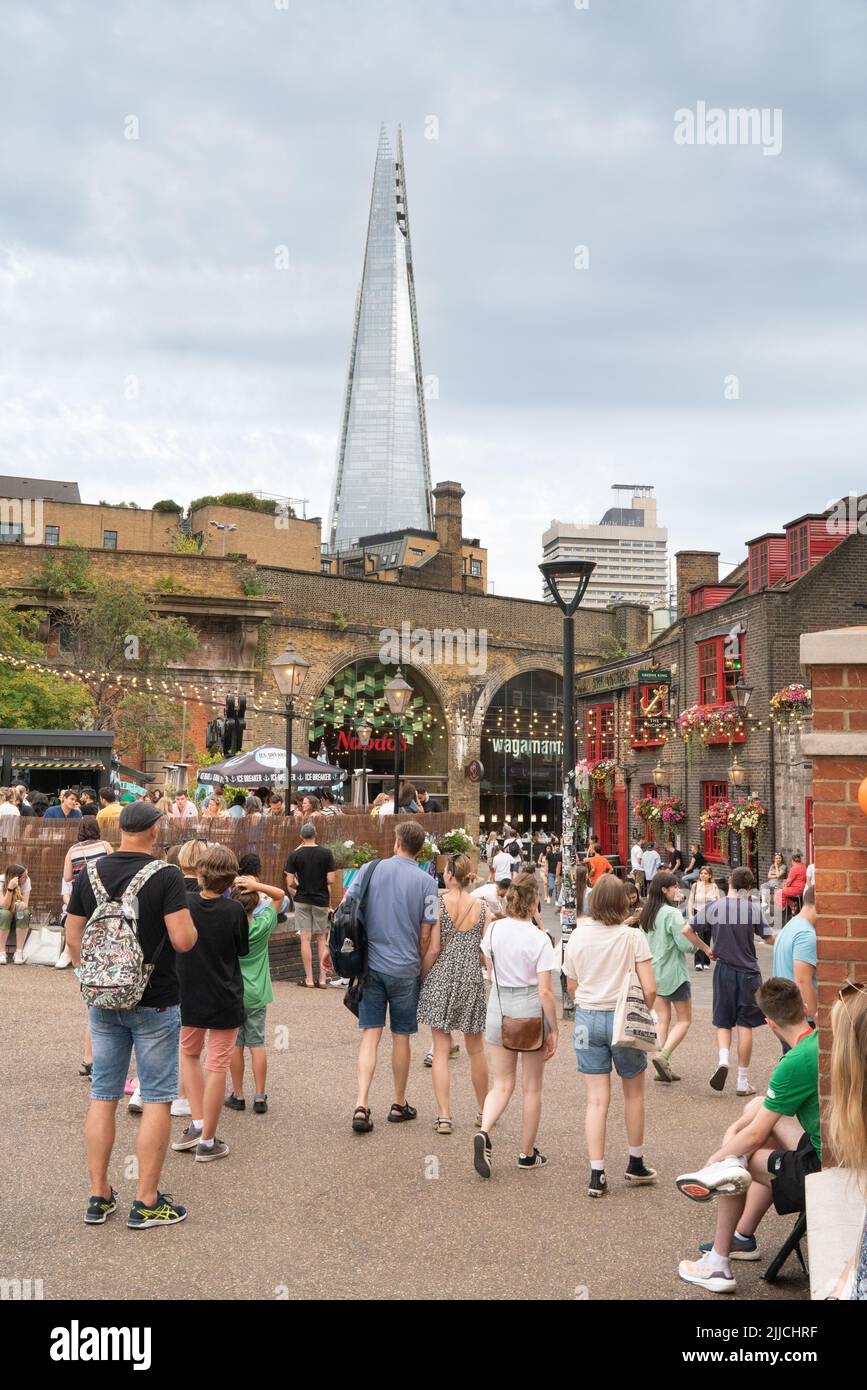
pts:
pixel 365 734
pixel 740 693
pixel 290 672
pixel 398 694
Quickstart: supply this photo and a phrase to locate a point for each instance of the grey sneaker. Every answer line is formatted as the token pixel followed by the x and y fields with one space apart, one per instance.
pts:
pixel 207 1153
pixel 189 1139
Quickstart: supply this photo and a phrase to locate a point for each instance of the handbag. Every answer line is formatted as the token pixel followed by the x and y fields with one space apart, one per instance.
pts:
pixel 633 1025
pixel 519 1034
pixel 42 947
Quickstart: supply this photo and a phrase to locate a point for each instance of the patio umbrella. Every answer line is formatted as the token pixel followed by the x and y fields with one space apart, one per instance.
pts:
pixel 267 764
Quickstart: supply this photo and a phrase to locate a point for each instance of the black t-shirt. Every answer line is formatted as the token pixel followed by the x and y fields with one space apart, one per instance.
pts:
pixel 161 896
pixel 698 860
pixel 538 850
pixel 212 987
pixel 26 809
pixel 676 861
pixel 432 807
pixel 553 857
pixel 311 868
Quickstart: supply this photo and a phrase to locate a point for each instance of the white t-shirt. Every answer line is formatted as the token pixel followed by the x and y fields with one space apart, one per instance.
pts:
pixel 636 856
pixel 387 808
pixel 189 812
pixel 598 957
pixel 520 951
pixel 488 894
pixel 7 809
pixel 502 865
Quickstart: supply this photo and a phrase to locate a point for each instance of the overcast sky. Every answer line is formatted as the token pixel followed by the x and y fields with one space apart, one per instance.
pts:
pixel 149 346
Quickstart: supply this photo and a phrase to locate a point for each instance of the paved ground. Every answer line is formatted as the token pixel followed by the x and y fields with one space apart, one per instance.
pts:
pixel 303 1206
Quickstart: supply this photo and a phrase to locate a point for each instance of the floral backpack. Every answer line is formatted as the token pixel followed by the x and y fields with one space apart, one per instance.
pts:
pixel 113 973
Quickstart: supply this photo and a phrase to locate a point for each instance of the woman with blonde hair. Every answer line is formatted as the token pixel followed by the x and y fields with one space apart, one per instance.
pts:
pixel 703 891
pixel 190 856
pixel 452 994
pixel 602 950
pixel 847 1114
pixel 521 961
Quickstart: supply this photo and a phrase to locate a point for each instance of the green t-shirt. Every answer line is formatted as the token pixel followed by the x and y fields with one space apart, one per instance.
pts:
pixel 669 949
pixel 794 1087
pixel 254 966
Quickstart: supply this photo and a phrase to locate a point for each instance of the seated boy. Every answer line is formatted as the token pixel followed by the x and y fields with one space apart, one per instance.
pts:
pixel 766 1155
pixel 212 999
pixel 258 994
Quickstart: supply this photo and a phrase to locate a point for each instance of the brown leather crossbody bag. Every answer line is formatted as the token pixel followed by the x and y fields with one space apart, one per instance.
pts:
pixel 519 1034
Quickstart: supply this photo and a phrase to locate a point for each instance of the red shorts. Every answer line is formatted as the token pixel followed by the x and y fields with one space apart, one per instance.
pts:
pixel 220 1044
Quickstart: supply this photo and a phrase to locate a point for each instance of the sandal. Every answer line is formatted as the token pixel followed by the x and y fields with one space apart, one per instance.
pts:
pixel 398 1113
pixel 361 1121
pixel 302 984
pixel 85 1069
pixel 443 1125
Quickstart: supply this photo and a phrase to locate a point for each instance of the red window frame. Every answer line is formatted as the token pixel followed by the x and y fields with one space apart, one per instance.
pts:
pixel 599 732
pixel 799 550
pixel 711 793
pixel 717 673
pixel 754 568
pixel 639 738
pixel 763 565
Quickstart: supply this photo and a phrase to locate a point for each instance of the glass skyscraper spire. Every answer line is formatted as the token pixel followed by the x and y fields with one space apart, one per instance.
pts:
pixel 382 481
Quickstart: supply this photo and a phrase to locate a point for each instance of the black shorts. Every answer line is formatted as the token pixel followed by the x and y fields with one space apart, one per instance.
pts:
pixel 734 997
pixel 788 1169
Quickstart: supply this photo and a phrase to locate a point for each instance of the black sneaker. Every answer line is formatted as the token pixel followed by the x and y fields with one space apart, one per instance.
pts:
pixel 743 1248
pixel 482 1154
pixel 165 1212
pixel 98 1208
pixel 597 1186
pixel 533 1160
pixel 189 1139
pixel 637 1172
pixel 233 1102
pixel 260 1105
pixel 206 1153
pixel 719 1078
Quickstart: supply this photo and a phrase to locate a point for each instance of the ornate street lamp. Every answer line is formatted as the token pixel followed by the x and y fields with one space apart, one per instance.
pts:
pixel 737 774
pixel 576 575
pixel 365 734
pixel 740 693
pixel 290 672
pixel 659 774
pixel 398 695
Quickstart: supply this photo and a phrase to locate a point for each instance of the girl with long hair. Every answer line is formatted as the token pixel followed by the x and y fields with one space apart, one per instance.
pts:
pixel 670 942
pixel 847 1115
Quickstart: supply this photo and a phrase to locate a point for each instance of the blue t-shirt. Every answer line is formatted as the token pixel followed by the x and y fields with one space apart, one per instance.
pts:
pixel 401 897
pixel 797 941
pixel 56 813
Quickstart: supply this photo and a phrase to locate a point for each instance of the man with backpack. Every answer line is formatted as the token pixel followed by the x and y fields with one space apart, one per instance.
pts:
pixel 127 917
pixel 399 910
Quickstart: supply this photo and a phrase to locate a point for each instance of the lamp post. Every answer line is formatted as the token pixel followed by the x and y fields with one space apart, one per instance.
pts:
pixel 290 672
pixel 365 734
pixel 398 695
pixel 740 693
pixel 223 527
pixel 577 573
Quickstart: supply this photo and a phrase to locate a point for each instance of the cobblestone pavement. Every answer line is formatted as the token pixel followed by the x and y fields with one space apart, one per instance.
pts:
pixel 304 1208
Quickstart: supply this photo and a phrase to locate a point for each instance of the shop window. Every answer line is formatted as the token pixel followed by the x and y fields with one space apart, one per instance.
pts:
pixel 599 732
pixel 720 666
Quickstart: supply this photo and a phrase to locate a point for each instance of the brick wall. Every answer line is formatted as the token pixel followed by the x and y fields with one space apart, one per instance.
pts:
pixel 837 745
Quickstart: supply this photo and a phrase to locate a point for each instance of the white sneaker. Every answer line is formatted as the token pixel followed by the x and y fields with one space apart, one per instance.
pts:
pixel 63 960
pixel 2 957
pixel 338 984
pixel 181 1106
pixel 727 1177
pixel 135 1106
pixel 698 1272
pixel 19 958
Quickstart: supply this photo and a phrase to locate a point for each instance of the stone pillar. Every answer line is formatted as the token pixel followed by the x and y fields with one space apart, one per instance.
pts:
pixel 837 746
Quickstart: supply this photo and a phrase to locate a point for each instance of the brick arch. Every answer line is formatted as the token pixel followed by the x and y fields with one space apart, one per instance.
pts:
pixel 498 679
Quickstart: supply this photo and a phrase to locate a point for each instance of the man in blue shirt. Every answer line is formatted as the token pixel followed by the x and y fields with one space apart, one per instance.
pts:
pixel 67 810
pixel 795 953
pixel 399 910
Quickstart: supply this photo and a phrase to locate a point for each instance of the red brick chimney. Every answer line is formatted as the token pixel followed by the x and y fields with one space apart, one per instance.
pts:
pixel 449 526
pixel 694 567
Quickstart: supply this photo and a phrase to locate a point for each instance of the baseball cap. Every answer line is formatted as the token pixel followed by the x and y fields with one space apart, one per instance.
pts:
pixel 308 831
pixel 139 816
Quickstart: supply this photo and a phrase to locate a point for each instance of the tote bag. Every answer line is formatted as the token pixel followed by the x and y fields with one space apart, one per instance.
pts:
pixel 634 1025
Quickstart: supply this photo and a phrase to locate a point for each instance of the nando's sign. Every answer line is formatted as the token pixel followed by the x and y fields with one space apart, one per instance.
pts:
pixel 349 742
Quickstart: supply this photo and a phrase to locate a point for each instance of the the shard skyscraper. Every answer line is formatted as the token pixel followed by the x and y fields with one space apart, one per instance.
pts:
pixel 382 482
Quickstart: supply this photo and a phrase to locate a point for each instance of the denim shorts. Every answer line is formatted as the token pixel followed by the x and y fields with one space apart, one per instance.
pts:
pixel 398 994
pixel 155 1034
pixel 594 1029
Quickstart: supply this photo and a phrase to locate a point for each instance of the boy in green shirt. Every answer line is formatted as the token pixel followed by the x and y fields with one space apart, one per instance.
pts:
pixel 258 992
pixel 768 1153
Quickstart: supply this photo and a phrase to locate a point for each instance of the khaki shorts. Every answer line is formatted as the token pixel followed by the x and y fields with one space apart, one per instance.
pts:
pixel 309 917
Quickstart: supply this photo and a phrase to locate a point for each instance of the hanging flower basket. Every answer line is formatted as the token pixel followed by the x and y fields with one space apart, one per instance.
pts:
pixel 602 773
pixel 716 817
pixel 671 810
pixel 583 784
pixel 791 705
pixel 647 808
pixel 748 817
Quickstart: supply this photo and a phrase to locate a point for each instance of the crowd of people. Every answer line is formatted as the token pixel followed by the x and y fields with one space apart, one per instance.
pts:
pixel 470 958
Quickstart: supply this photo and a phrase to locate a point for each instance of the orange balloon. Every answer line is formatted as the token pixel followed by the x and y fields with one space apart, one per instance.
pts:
pixel 862 796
